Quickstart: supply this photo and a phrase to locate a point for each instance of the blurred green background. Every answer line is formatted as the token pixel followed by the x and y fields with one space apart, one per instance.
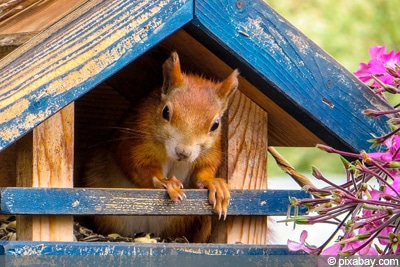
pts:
pixel 346 30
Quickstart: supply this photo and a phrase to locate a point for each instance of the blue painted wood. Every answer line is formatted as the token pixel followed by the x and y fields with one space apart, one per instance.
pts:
pixel 80 51
pixel 77 53
pixel 290 69
pixel 132 249
pixel 92 201
pixel 23 253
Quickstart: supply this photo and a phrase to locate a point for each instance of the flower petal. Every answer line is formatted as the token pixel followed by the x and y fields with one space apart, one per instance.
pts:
pixel 294 246
pixel 376 51
pixel 332 250
pixel 375 66
pixel 303 236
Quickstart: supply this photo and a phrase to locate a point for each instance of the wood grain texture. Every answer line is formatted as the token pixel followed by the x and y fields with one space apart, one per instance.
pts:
pixel 79 51
pixel 53 145
pixel 8 158
pixel 34 15
pixel 247 164
pixel 247 144
pixel 283 64
pixel 46 160
pixel 290 69
pixel 91 201
pixel 10 42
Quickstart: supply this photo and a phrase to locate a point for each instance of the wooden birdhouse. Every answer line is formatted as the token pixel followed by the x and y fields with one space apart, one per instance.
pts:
pixel 67 86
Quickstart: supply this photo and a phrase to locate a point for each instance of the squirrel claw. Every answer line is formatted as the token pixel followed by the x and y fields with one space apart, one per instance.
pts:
pixel 173 186
pixel 218 196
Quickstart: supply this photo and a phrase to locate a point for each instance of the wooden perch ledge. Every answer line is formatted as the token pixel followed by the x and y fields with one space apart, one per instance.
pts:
pixel 88 201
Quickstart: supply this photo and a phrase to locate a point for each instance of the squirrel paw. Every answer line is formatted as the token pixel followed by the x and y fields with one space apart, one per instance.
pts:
pixel 173 186
pixel 219 195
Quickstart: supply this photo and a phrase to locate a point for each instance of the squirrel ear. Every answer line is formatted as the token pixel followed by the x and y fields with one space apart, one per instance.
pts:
pixel 229 85
pixel 172 74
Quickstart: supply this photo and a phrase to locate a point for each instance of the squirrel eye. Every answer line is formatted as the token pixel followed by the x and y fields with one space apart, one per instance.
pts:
pixel 165 113
pixel 214 126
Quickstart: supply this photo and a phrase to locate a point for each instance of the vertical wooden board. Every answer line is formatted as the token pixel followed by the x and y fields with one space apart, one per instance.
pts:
pixel 247 230
pixel 290 69
pixel 53 150
pixel 247 163
pixel 8 158
pixel 46 160
pixel 247 144
pixel 78 52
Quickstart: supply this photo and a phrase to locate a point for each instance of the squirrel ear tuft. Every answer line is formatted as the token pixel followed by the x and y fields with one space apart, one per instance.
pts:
pixel 229 85
pixel 172 74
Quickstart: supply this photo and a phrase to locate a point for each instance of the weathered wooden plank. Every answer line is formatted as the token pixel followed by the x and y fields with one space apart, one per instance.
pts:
pixel 27 15
pixel 196 255
pixel 8 171
pixel 78 52
pixel 91 201
pixel 10 42
pixel 290 69
pixel 47 161
pixel 247 165
pixel 99 253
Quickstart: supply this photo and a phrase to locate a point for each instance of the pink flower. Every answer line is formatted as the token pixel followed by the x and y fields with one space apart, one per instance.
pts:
pixel 384 66
pixel 395 185
pixel 332 250
pixel 393 145
pixel 385 232
pixel 296 246
pixel 351 246
pixel 375 194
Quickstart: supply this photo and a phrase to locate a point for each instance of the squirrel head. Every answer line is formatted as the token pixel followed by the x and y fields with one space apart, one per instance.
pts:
pixel 191 110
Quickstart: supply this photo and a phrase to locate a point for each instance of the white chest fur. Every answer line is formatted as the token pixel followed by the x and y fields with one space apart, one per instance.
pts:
pixel 181 169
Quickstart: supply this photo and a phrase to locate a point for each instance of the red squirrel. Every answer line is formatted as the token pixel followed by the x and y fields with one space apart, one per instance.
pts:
pixel 171 140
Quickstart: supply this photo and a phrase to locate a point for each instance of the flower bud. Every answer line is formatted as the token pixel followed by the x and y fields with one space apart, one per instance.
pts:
pixel 325 148
pixel 294 201
pixel 366 157
pixel 394 164
pixel 345 162
pixel 315 172
pixel 371 113
pixel 394 240
pixel 391 89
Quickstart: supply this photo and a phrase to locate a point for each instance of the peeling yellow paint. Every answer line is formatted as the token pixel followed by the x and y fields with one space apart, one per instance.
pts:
pixel 9 133
pixel 32 118
pixel 13 111
pixel 71 60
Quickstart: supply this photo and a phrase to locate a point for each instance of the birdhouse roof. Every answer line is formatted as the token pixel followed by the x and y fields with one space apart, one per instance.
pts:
pixel 289 76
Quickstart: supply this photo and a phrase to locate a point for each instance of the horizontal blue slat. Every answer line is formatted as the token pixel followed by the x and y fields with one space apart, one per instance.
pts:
pixel 91 201
pixel 36 248
pixel 290 69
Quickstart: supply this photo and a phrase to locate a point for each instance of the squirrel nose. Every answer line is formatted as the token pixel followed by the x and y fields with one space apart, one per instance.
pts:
pixel 182 153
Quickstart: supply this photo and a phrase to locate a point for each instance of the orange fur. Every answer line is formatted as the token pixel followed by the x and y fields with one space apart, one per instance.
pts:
pixel 171 139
